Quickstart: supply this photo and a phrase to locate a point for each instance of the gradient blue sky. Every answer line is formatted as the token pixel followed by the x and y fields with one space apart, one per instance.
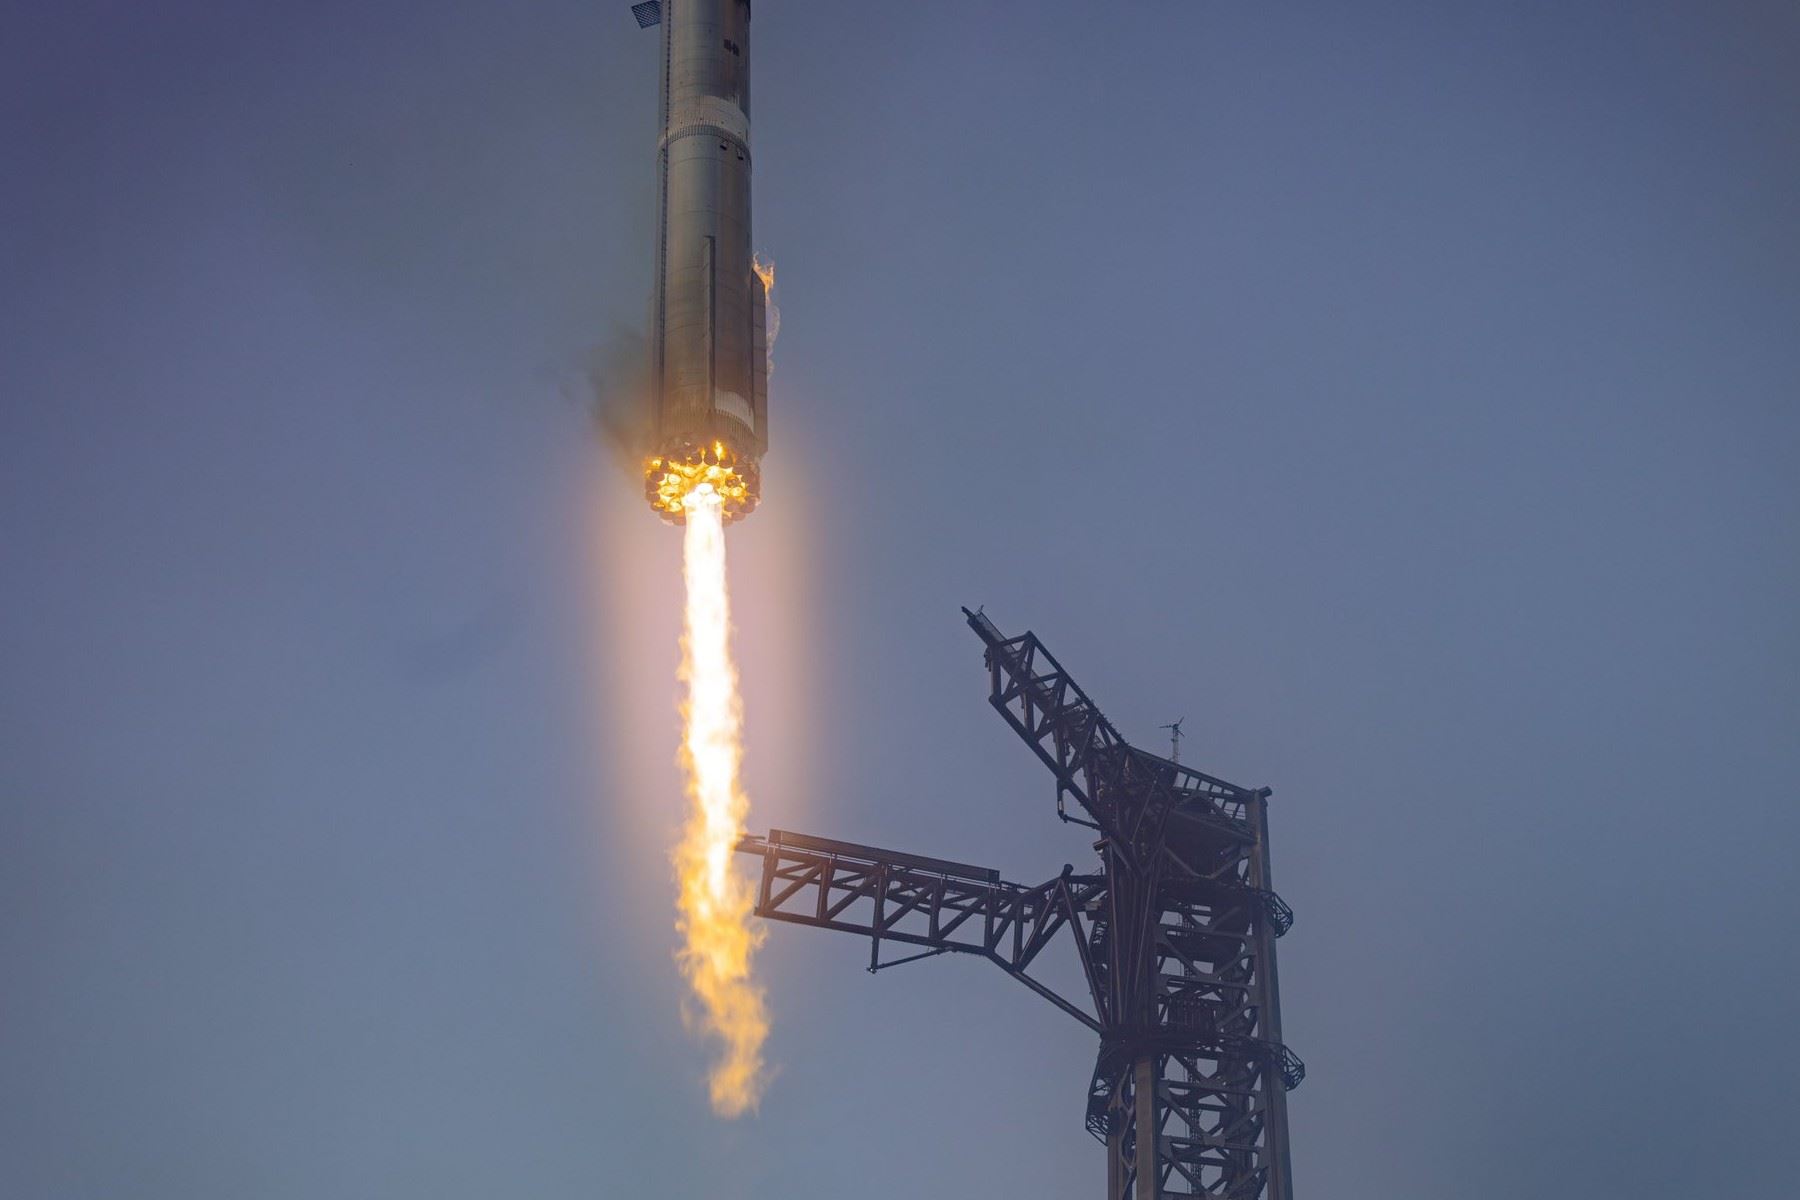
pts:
pixel 1405 393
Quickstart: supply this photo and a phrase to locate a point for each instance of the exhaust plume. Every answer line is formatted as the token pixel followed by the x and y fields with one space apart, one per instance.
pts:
pixel 715 902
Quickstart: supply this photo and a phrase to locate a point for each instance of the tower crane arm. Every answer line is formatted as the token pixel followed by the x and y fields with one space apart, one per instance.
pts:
pixel 934 904
pixel 1142 803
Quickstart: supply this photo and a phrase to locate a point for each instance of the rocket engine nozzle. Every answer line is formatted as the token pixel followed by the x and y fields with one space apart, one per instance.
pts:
pixel 687 464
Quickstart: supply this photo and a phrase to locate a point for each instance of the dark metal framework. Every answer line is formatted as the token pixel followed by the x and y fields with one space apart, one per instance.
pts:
pixel 1175 934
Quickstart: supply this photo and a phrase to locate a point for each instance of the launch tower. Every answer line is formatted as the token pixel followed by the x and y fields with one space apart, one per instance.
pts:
pixel 1175 931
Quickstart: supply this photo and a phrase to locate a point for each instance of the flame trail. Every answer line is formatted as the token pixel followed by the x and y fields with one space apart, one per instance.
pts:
pixel 715 902
pixel 764 266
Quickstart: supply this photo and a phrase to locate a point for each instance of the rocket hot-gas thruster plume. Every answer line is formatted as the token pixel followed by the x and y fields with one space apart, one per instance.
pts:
pixel 715 901
pixel 709 371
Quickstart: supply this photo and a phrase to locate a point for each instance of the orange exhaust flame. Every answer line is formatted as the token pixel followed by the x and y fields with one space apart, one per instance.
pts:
pixel 715 902
pixel 764 266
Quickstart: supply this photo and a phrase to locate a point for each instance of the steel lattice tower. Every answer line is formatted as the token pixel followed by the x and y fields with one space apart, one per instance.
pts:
pixel 1175 934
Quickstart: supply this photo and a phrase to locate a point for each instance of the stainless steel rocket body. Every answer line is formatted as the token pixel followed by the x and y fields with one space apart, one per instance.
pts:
pixel 709 340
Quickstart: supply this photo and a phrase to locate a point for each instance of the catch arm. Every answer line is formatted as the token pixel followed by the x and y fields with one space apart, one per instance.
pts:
pixel 935 904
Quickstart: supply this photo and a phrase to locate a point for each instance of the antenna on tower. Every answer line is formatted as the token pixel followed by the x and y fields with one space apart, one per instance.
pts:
pixel 1174 728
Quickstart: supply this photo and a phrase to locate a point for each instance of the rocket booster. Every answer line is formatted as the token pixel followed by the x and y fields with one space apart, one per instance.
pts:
pixel 709 341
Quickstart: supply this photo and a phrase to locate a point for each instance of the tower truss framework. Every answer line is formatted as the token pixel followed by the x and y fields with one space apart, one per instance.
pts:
pixel 1175 933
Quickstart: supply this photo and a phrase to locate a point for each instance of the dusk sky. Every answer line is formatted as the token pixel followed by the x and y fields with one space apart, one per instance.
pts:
pixel 1406 394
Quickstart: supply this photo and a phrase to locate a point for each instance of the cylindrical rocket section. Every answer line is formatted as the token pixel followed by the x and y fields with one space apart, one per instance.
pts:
pixel 709 341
